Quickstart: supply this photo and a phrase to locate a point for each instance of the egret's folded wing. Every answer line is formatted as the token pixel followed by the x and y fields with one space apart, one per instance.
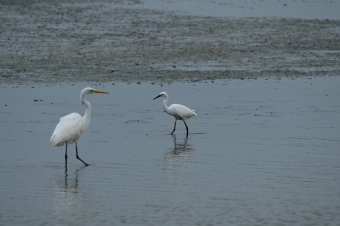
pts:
pixel 69 128
pixel 183 111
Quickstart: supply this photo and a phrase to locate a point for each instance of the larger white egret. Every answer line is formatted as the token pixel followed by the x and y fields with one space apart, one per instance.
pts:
pixel 71 126
pixel 180 112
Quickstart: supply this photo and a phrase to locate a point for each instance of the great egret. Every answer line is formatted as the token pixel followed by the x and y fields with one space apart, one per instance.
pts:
pixel 71 126
pixel 180 112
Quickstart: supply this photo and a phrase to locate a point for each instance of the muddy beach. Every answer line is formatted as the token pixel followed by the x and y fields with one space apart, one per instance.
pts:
pixel 134 41
pixel 261 151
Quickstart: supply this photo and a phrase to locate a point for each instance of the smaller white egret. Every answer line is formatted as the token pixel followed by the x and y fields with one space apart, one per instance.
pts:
pixel 71 126
pixel 180 112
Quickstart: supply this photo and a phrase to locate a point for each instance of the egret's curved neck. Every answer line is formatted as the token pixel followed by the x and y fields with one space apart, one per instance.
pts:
pixel 87 115
pixel 165 101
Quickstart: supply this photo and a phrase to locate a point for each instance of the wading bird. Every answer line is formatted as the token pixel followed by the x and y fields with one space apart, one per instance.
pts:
pixel 180 112
pixel 71 126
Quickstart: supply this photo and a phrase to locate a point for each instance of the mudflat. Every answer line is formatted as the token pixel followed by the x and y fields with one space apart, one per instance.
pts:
pixel 72 41
pixel 260 151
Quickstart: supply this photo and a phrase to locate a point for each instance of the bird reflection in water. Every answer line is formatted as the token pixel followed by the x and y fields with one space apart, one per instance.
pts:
pixel 73 186
pixel 180 155
pixel 68 197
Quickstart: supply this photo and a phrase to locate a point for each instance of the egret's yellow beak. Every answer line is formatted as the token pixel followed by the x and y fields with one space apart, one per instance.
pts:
pixel 100 91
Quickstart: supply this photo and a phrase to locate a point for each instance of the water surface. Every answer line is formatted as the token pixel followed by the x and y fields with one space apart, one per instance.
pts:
pixel 262 151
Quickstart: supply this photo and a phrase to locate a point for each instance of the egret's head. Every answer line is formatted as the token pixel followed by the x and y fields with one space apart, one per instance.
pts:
pixel 90 90
pixel 162 94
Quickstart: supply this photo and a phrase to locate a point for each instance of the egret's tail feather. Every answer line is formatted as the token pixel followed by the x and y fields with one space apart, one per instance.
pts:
pixel 194 111
pixel 52 142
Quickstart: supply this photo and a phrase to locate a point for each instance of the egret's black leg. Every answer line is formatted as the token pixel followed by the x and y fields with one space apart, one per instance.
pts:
pixel 80 158
pixel 186 127
pixel 174 127
pixel 66 159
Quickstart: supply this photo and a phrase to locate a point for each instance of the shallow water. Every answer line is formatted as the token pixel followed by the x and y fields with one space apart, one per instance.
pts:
pixel 262 151
pixel 305 9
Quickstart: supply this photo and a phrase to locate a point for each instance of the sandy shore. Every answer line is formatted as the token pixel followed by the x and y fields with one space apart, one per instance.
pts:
pixel 44 42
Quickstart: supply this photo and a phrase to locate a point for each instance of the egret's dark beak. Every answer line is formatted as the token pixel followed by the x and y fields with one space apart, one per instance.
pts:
pixel 157 96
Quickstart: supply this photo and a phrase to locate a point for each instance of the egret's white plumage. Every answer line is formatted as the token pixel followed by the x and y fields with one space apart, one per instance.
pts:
pixel 71 126
pixel 68 130
pixel 178 111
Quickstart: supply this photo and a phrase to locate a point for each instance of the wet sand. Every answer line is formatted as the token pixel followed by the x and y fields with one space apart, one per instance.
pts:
pixel 137 41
